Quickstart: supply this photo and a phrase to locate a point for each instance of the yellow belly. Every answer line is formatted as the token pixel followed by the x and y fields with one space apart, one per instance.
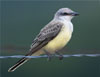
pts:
pixel 59 41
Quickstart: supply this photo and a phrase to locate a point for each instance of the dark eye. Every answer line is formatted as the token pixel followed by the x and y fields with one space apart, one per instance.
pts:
pixel 64 13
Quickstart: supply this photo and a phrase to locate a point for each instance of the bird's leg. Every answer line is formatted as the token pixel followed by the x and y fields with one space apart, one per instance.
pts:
pixel 49 55
pixel 60 55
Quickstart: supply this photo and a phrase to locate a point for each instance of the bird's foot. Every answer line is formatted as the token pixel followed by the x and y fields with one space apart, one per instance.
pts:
pixel 60 56
pixel 49 57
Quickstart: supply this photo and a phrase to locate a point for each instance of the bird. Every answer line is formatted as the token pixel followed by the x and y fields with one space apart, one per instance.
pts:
pixel 52 38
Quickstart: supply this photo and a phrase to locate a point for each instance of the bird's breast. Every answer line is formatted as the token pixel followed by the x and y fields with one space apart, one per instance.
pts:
pixel 60 40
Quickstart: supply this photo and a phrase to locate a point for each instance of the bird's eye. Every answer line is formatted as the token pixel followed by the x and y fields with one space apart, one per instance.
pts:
pixel 64 13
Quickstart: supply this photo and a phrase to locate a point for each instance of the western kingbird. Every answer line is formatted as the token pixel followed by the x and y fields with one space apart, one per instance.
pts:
pixel 53 37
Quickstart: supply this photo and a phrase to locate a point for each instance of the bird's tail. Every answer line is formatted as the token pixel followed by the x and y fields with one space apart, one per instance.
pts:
pixel 23 60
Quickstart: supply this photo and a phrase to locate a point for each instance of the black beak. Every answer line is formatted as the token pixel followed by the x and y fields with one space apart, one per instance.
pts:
pixel 74 14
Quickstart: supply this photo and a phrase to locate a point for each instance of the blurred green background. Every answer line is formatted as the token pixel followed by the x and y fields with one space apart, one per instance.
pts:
pixel 21 21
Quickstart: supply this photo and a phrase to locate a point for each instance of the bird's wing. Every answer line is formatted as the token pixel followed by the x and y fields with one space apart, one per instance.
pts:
pixel 49 32
pixel 46 34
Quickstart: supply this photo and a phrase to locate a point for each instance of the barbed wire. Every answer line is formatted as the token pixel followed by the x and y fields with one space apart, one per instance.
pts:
pixel 44 56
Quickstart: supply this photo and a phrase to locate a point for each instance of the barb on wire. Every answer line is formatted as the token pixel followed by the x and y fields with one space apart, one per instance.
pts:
pixel 43 56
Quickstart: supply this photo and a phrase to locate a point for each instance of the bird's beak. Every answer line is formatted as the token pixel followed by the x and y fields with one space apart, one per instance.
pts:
pixel 74 14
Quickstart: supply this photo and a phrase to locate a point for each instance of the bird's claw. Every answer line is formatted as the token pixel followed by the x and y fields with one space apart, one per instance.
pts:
pixel 60 57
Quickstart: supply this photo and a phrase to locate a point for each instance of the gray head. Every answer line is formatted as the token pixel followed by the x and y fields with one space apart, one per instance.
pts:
pixel 65 14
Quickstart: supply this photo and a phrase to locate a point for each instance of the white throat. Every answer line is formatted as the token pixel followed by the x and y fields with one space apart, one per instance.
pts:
pixel 67 22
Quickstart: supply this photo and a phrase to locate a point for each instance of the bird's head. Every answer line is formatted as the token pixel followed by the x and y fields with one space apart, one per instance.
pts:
pixel 65 14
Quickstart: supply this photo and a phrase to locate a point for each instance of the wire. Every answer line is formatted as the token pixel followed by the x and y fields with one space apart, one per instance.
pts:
pixel 44 56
